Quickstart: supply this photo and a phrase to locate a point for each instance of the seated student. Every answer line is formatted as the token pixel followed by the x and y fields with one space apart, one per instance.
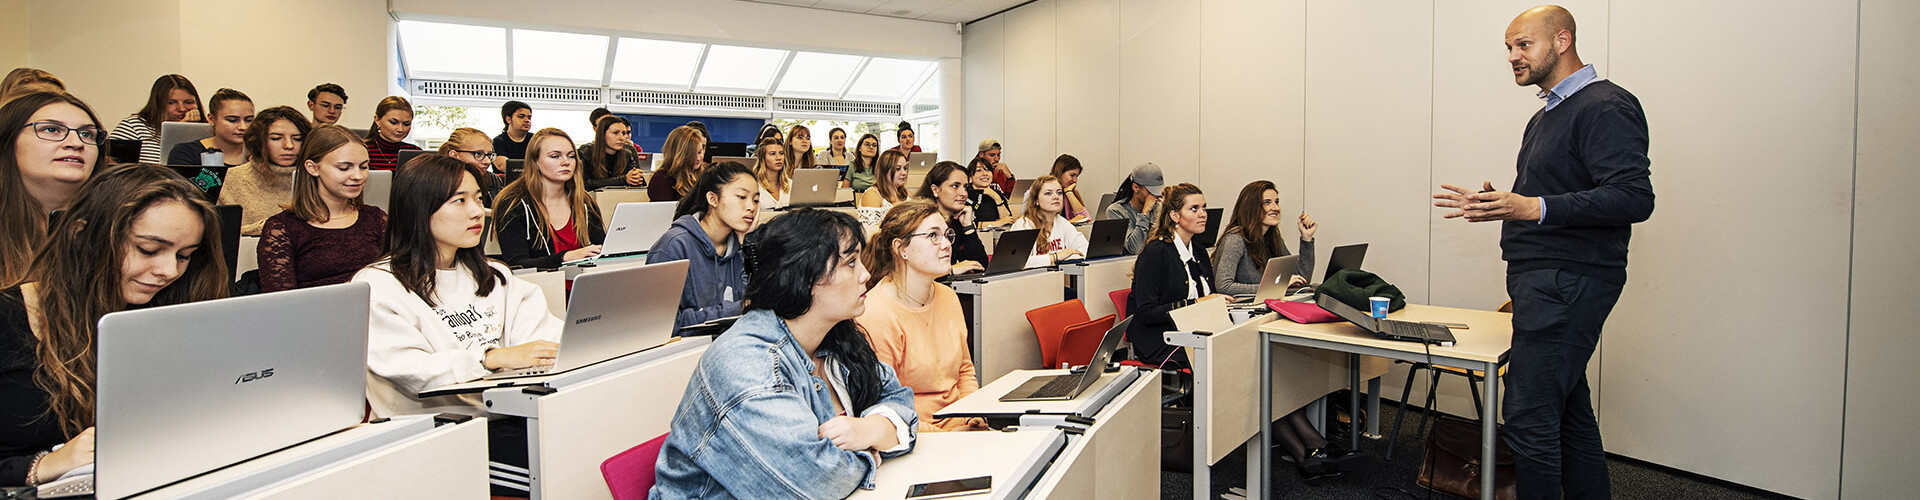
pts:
pixel 946 186
pixel 23 81
pixel 903 134
pixel 172 99
pixel 516 119
pixel 326 101
pixel 989 206
pixel 776 180
pixel 138 235
pixel 866 159
pixel 799 147
pixel 682 156
pixel 767 131
pixel 326 235
pixel 392 123
pixel 1060 240
pixel 609 160
pixel 545 218
pixel 1067 169
pixel 790 402
pixel 1002 174
pixel 707 228
pixel 473 147
pixel 264 186
pixel 55 144
pixel 1252 236
pixel 914 323
pixel 890 186
pixel 836 152
pixel 231 113
pixel 1169 275
pixel 1136 202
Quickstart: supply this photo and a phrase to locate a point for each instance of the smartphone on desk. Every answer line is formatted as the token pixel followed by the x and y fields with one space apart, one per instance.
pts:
pixel 951 488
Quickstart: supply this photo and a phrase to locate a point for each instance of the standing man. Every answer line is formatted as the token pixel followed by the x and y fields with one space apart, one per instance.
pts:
pixel 1002 175
pixel 326 101
pixel 1582 182
pixel 511 144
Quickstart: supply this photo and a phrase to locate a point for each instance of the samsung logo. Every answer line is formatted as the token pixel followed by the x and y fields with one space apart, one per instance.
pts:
pixel 587 319
pixel 249 377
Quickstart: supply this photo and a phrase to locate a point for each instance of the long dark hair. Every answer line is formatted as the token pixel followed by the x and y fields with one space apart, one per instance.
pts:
pixel 711 178
pixel 1262 241
pixel 418 191
pixel 859 163
pixel 785 258
pixel 156 109
pixel 603 165
pixel 1125 193
pixel 23 220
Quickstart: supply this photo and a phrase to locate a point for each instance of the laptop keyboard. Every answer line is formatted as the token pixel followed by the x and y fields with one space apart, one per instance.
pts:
pixel 1060 386
pixel 1405 329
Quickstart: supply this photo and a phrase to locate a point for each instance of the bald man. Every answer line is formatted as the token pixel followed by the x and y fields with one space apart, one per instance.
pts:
pixel 1582 182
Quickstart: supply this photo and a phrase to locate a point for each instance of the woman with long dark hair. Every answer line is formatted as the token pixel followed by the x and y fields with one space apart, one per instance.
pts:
pixel 790 402
pixel 707 228
pixel 264 186
pixel 889 187
pixel 137 236
pixel 946 186
pixel 1252 236
pixel 989 206
pixel 609 159
pixel 172 99
pixel 1170 274
pixel 866 159
pixel 55 145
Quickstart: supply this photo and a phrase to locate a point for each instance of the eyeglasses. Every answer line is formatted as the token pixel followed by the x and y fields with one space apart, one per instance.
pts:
pixel 56 132
pixel 930 235
pixel 484 156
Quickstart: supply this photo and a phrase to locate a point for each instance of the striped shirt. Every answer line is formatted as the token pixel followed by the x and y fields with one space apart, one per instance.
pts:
pixel 383 155
pixel 135 129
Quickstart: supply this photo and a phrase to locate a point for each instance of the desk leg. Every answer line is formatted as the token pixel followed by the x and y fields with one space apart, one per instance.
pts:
pixel 1257 459
pixel 1488 415
pixel 1353 401
pixel 1373 408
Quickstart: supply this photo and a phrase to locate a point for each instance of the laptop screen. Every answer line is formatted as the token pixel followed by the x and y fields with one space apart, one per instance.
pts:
pixel 1346 312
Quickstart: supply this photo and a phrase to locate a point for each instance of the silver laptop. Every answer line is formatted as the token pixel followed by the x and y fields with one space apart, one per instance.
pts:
pixel 604 321
pixel 1273 281
pixel 378 191
pixel 1069 386
pixel 187 389
pixel 1019 194
pixel 635 228
pixel 814 187
pixel 920 163
pixel 749 161
pixel 175 133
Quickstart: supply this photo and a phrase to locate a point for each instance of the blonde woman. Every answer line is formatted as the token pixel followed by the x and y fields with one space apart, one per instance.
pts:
pixel 545 218
pixel 1059 241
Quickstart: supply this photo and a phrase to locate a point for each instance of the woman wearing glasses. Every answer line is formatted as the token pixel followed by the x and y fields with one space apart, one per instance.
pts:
pixel 609 160
pixel 915 323
pixel 473 147
pixel 54 146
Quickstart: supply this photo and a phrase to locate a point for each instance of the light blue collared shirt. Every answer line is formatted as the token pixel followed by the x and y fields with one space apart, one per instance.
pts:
pixel 1567 86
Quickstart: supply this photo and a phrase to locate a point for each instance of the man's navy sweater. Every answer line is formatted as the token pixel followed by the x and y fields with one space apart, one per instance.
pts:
pixel 1587 159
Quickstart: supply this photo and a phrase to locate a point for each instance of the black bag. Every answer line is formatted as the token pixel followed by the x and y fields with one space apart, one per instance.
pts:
pixel 1353 287
pixel 1176 439
pixel 1452 463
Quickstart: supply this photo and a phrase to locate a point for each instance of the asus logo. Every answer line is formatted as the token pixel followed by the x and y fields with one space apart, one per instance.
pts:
pixel 253 376
pixel 587 319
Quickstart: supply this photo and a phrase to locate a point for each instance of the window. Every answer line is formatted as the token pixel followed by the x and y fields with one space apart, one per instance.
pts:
pixel 546 56
pixel 657 64
pixel 814 74
pixel 888 79
pixel 430 50
pixel 739 69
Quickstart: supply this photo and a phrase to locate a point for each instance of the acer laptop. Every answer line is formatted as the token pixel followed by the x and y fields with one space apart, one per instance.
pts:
pixel 191 388
pixel 814 187
pixel 1406 331
pixel 604 321
pixel 634 230
pixel 1010 254
pixel 1273 281
pixel 1069 386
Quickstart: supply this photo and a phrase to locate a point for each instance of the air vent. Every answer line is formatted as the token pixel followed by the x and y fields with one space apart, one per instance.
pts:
pixel 505 91
pixel 841 107
pixel 689 100
pixel 923 108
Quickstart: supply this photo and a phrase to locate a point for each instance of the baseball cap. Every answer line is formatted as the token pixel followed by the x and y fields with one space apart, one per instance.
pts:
pixel 989 145
pixel 1148 175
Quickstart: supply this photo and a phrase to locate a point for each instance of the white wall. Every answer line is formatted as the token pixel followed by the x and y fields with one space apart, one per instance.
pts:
pixel 1359 110
pixel 13 33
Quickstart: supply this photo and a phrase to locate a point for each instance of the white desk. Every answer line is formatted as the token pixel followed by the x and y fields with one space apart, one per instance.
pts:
pixel 1014 459
pixel 1092 280
pixel 999 334
pixel 985 403
pixel 1119 455
pixel 406 457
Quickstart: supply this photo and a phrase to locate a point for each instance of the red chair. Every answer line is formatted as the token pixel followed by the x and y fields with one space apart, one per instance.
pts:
pixel 629 474
pixel 1050 324
pixel 1082 340
pixel 1119 298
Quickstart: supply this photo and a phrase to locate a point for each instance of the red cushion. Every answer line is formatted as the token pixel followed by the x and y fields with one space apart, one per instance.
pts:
pixel 630 474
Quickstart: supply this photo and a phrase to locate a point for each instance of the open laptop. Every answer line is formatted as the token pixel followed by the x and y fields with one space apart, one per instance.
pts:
pixel 1100 210
pixel 378 191
pixel 1108 239
pixel 514 169
pixel 191 388
pixel 1019 194
pixel 123 151
pixel 401 158
pixel 1345 257
pixel 634 229
pixel 604 321
pixel 1010 253
pixel 716 150
pixel 229 216
pixel 1406 331
pixel 1069 386
pixel 174 133
pixel 1206 238
pixel 748 161
pixel 814 187
pixel 921 163
pixel 1273 281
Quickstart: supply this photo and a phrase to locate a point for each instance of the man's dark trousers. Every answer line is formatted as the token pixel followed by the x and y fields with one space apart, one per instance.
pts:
pixel 1550 423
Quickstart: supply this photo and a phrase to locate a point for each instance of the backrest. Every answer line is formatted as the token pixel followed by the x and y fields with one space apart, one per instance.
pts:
pixel 1050 324
pixel 629 474
pixel 1081 340
pixel 1119 298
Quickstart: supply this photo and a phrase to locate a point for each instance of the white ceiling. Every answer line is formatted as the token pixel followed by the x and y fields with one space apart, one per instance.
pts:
pixel 945 11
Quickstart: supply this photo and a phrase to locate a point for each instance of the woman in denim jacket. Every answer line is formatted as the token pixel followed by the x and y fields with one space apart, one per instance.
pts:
pixel 790 402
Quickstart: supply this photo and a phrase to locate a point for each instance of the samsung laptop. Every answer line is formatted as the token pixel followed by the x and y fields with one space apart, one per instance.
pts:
pixel 634 229
pixel 1388 329
pixel 1069 386
pixel 1010 253
pixel 814 187
pixel 604 321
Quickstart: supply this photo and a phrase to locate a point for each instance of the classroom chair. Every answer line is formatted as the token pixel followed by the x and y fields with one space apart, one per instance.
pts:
pixel 1050 324
pixel 1082 340
pixel 629 474
pixel 1119 298
pixel 1474 378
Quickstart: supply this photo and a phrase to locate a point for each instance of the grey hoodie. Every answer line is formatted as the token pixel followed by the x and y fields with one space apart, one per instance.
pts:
pixel 715 283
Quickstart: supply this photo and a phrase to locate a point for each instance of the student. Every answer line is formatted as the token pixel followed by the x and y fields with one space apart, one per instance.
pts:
pixel 473 147
pixel 904 135
pixel 1060 240
pixel 327 234
pixel 231 113
pixel 55 146
pixel 767 132
pixel 1252 236
pixel 1002 174
pixel 701 127
pixel 609 160
pixel 707 228
pixel 593 120
pixel 392 123
pixel 790 402
pixel 914 323
pixel 681 159
pixel 836 152
pixel 545 218
pixel 517 120
pixel 137 236
pixel 989 206
pixel 1067 169
pixel 172 99
pixel 264 186
pixel 326 101
pixel 946 186
pixel 776 180
pixel 1169 275
pixel 799 147
pixel 23 81
pixel 866 159
pixel 1136 202
pixel 891 188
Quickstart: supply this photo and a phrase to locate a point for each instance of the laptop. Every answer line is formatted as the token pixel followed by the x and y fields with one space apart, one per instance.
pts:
pixel 1010 253
pixel 814 187
pixel 1345 257
pixel 400 159
pixel 604 321
pixel 188 389
pixel 921 163
pixel 1405 331
pixel 749 161
pixel 229 216
pixel 123 151
pixel 1108 239
pixel 1069 386
pixel 378 191
pixel 175 133
pixel 1206 238
pixel 1019 194
pixel 1100 210
pixel 634 230
pixel 716 150
pixel 1273 281
pixel 514 169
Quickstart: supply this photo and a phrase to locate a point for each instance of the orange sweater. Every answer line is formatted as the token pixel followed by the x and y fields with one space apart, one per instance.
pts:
pixel 927 347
